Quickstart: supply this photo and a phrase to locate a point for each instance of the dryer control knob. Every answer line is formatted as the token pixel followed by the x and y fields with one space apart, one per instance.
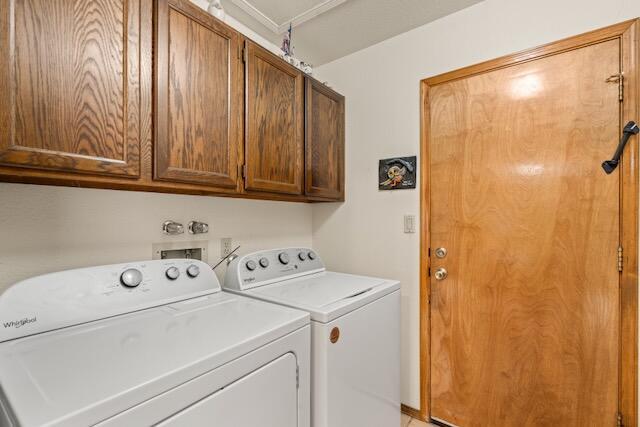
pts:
pixel 251 265
pixel 312 255
pixel 264 262
pixel 283 257
pixel 193 270
pixel 131 277
pixel 172 273
pixel 302 256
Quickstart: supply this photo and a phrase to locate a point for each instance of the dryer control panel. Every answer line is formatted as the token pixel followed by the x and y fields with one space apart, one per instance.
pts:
pixel 72 297
pixel 265 267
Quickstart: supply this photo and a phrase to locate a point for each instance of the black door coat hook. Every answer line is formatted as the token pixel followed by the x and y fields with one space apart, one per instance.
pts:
pixel 630 129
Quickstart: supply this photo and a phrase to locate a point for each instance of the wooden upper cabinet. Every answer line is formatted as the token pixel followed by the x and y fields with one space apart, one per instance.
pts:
pixel 198 88
pixel 159 96
pixel 70 83
pixel 274 135
pixel 324 142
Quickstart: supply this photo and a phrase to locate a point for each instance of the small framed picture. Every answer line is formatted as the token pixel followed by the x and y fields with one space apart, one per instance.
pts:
pixel 397 173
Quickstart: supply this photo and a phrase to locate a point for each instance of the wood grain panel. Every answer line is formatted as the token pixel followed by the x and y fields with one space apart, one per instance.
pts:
pixel 71 76
pixel 199 97
pixel 525 329
pixel 274 136
pixel 425 252
pixel 141 113
pixel 630 188
pixel 324 141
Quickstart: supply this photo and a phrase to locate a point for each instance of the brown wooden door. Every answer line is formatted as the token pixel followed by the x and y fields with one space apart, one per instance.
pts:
pixel 198 97
pixel 274 136
pixel 525 328
pixel 70 82
pixel 324 141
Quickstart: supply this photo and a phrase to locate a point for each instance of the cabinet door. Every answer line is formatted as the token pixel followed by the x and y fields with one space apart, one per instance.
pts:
pixel 274 142
pixel 324 142
pixel 198 97
pixel 70 83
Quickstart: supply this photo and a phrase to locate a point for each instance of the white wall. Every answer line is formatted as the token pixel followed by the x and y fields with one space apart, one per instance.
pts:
pixel 45 229
pixel 381 85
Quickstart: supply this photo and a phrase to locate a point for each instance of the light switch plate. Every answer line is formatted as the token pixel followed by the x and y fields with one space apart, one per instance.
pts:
pixel 409 224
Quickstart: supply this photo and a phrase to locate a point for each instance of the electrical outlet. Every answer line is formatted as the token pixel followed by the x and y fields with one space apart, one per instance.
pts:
pixel 226 246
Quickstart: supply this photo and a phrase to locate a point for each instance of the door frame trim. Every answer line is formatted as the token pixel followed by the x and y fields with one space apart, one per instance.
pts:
pixel 628 33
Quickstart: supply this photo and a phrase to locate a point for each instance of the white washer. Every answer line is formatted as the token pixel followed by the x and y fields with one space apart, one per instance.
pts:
pixel 355 331
pixel 149 343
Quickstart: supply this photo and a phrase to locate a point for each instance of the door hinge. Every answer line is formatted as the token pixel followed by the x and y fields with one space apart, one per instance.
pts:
pixel 618 78
pixel 619 420
pixel 620 257
pixel 244 53
pixel 429 272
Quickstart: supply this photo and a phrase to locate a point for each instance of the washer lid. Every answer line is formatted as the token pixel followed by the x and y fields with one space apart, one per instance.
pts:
pixel 84 374
pixel 326 295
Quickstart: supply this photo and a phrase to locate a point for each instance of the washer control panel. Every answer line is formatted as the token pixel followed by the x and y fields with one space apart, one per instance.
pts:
pixel 72 297
pixel 264 267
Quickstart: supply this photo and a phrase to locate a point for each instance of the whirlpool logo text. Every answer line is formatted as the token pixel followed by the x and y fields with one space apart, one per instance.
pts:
pixel 19 323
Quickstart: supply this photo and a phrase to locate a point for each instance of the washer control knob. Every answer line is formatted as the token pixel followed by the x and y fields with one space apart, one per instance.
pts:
pixel 131 277
pixel 264 263
pixel 193 270
pixel 172 273
pixel 312 255
pixel 283 257
pixel 302 256
pixel 251 265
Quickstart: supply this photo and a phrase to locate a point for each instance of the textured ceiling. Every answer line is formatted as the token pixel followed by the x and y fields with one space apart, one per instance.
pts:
pixel 346 27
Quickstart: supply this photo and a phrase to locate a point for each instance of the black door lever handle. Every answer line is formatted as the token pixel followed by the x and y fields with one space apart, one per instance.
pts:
pixel 630 129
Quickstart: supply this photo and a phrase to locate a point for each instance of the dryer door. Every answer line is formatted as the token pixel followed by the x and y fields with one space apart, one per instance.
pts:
pixel 244 403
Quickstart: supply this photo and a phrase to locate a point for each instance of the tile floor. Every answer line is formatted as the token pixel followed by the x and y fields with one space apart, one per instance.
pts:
pixel 407 421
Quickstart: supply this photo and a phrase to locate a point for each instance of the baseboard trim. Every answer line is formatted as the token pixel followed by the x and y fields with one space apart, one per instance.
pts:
pixel 413 413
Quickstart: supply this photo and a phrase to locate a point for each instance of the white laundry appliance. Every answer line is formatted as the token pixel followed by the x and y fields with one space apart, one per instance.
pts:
pixel 355 331
pixel 149 343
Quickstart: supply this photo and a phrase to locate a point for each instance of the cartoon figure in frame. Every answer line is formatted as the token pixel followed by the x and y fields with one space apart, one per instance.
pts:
pixel 397 173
